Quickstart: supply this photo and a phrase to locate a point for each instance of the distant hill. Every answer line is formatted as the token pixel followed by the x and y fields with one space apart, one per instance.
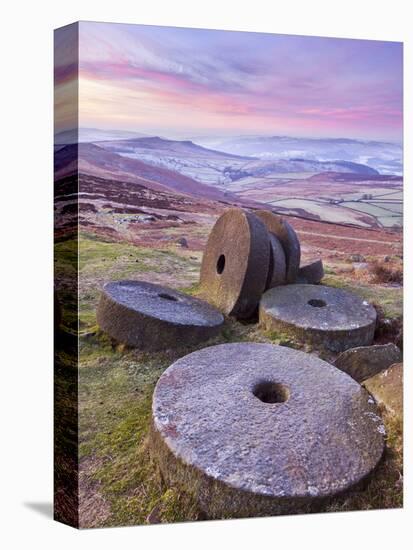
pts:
pixel 261 168
pixel 97 161
pixel 350 177
pixel 386 157
pixel 169 146
pixel 218 168
pixel 89 135
pixel 185 157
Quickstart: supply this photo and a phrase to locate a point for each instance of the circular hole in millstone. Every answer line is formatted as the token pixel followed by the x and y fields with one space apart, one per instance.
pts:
pixel 221 264
pixel 166 296
pixel 271 392
pixel 317 303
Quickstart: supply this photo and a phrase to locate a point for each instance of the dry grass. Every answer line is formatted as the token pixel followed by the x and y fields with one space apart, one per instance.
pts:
pixel 120 485
pixel 386 272
pixel 388 329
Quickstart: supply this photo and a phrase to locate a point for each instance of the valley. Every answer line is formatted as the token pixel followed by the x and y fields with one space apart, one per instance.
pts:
pixel 338 191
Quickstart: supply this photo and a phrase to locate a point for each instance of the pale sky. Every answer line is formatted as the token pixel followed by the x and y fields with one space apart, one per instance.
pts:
pixel 180 82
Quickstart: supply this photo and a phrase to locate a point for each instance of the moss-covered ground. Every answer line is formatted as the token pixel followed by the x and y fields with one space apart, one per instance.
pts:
pixel 119 483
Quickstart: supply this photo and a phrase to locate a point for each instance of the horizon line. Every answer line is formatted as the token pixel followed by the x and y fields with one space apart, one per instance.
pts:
pixel 191 137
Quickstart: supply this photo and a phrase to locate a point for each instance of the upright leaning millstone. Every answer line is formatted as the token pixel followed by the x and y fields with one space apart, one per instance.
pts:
pixel 324 316
pixel 154 317
pixel 257 429
pixel 235 263
pixel 277 270
pixel 288 239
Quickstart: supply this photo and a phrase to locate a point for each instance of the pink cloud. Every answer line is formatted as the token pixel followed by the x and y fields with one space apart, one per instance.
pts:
pixel 254 82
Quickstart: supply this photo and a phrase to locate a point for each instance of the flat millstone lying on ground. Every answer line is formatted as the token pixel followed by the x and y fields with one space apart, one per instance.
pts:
pixel 367 361
pixel 235 263
pixel 257 429
pixel 288 239
pixel 153 317
pixel 387 389
pixel 323 316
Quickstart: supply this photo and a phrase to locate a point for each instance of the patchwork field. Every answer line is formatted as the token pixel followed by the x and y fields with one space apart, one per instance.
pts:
pixel 345 199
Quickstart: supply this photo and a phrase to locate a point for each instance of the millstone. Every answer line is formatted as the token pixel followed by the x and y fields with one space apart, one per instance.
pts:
pixel 366 361
pixel 257 429
pixel 154 317
pixel 287 237
pixel 311 273
pixel 387 389
pixel 327 317
pixel 235 263
pixel 277 268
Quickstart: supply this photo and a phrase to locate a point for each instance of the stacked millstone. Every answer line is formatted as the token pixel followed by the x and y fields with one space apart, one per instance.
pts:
pixel 252 263
pixel 247 254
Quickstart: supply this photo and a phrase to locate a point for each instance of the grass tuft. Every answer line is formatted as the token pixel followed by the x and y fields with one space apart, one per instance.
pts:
pixel 386 273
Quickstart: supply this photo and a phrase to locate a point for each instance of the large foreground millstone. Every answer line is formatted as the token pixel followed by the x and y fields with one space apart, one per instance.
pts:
pixel 153 317
pixel 257 429
pixel 288 238
pixel 323 316
pixel 235 263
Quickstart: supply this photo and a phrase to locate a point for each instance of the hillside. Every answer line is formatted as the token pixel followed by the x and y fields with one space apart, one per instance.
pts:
pixel 383 156
pixel 285 166
pixel 220 169
pixel 185 147
pixel 97 161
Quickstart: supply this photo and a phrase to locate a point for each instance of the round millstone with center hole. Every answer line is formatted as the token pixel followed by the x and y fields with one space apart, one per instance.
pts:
pixel 258 429
pixel 288 239
pixel 235 263
pixel 153 317
pixel 326 317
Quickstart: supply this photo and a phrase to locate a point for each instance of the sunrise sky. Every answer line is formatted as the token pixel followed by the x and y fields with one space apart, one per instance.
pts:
pixel 180 83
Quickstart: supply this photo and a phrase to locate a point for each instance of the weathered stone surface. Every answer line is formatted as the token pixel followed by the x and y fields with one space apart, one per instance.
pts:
pixel 182 242
pixel 323 316
pixel 257 429
pixel 311 273
pixel 235 263
pixel 153 317
pixel 287 237
pixel 367 361
pixel 277 270
pixel 387 389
